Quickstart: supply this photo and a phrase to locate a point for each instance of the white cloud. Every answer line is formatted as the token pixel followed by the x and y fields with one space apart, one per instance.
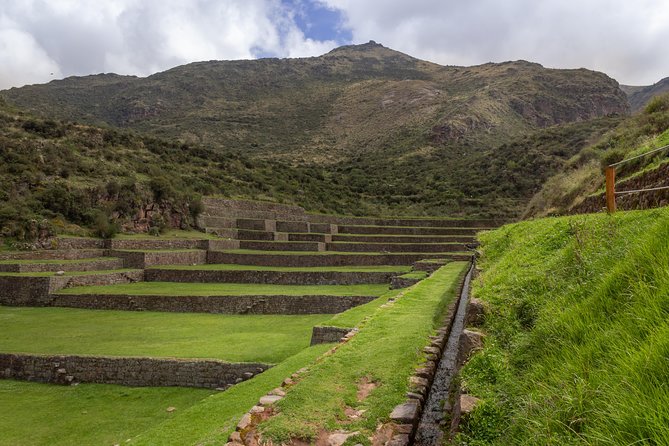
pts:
pixel 79 37
pixel 625 39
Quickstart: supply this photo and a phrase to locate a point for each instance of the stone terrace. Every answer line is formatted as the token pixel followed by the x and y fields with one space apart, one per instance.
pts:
pixel 257 245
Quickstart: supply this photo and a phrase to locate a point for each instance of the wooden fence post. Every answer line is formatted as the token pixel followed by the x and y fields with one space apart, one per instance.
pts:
pixel 611 189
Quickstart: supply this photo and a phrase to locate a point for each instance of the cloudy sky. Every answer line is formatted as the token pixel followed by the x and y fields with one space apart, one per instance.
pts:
pixel 41 40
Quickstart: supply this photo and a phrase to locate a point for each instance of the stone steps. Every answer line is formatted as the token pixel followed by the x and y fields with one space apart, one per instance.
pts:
pixel 325 259
pixel 281 246
pixel 403 238
pixel 395 247
pixel 268 277
pixel 260 304
pixel 108 263
pixel 145 259
pixel 407 230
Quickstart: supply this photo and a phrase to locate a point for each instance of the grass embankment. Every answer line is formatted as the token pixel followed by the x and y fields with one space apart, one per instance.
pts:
pixel 338 253
pixel 87 414
pixel 385 352
pixel 229 289
pixel 235 338
pixel 345 269
pixel 578 333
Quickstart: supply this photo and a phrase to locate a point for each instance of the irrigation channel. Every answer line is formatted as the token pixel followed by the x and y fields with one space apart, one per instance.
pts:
pixel 431 427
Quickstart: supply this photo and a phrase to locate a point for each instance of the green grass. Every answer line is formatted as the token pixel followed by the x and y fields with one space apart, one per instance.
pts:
pixel 231 267
pixel 69 273
pixel 87 414
pixel 211 421
pixel 228 289
pixel 386 350
pixel 352 317
pixel 419 275
pixel 235 338
pixel 578 333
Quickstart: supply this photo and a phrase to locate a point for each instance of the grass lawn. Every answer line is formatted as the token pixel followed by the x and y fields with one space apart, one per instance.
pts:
pixel 232 267
pixel 229 289
pixel 88 414
pixel 235 338
pixel 385 351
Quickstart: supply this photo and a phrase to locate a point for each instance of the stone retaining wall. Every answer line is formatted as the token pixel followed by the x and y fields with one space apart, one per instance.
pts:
pixel 372 230
pixel 268 277
pixel 403 238
pixel 281 246
pixel 54 254
pixel 395 247
pixel 93 265
pixel 326 335
pixel 139 372
pixel 306 260
pixel 25 291
pixel 158 244
pixel 22 291
pixel 279 304
pixel 308 237
pixel 140 260
pixel 80 243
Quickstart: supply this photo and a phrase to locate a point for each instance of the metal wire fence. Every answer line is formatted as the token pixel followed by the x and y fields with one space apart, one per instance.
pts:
pixel 611 180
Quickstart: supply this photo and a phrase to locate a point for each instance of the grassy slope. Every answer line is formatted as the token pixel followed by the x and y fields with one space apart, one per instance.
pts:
pixel 582 174
pixel 87 414
pixel 211 421
pixel 233 338
pixel 228 289
pixel 578 339
pixel 385 350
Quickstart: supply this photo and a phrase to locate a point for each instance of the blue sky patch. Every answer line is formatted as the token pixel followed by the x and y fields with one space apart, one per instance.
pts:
pixel 318 22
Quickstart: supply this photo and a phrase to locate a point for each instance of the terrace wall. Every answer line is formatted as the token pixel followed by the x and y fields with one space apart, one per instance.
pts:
pixel 127 371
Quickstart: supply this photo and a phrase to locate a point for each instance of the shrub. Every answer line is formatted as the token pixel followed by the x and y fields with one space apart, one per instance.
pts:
pixel 104 226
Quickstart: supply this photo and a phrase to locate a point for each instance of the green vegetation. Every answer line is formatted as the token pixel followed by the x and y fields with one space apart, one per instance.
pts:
pixel 418 275
pixel 234 338
pixel 582 174
pixel 90 414
pixel 362 130
pixel 353 316
pixel 211 421
pixel 230 267
pixel 229 289
pixel 384 352
pixel 577 334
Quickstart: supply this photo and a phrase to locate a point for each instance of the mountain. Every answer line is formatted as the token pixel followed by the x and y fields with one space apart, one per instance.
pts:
pixel 356 98
pixel 403 134
pixel 640 96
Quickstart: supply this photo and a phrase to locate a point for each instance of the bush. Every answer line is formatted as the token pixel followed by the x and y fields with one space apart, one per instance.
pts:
pixel 104 226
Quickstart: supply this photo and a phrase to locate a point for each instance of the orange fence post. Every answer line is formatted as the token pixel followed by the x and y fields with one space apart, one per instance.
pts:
pixel 611 189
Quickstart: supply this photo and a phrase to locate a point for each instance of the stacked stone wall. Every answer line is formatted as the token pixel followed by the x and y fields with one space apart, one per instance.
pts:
pixel 126 371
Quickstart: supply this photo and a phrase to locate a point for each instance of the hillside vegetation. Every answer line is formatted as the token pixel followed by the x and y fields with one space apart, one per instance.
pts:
pixel 577 333
pixel 639 97
pixel 582 175
pixel 404 135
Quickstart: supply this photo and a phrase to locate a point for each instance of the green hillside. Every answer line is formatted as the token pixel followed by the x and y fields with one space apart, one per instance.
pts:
pixel 577 333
